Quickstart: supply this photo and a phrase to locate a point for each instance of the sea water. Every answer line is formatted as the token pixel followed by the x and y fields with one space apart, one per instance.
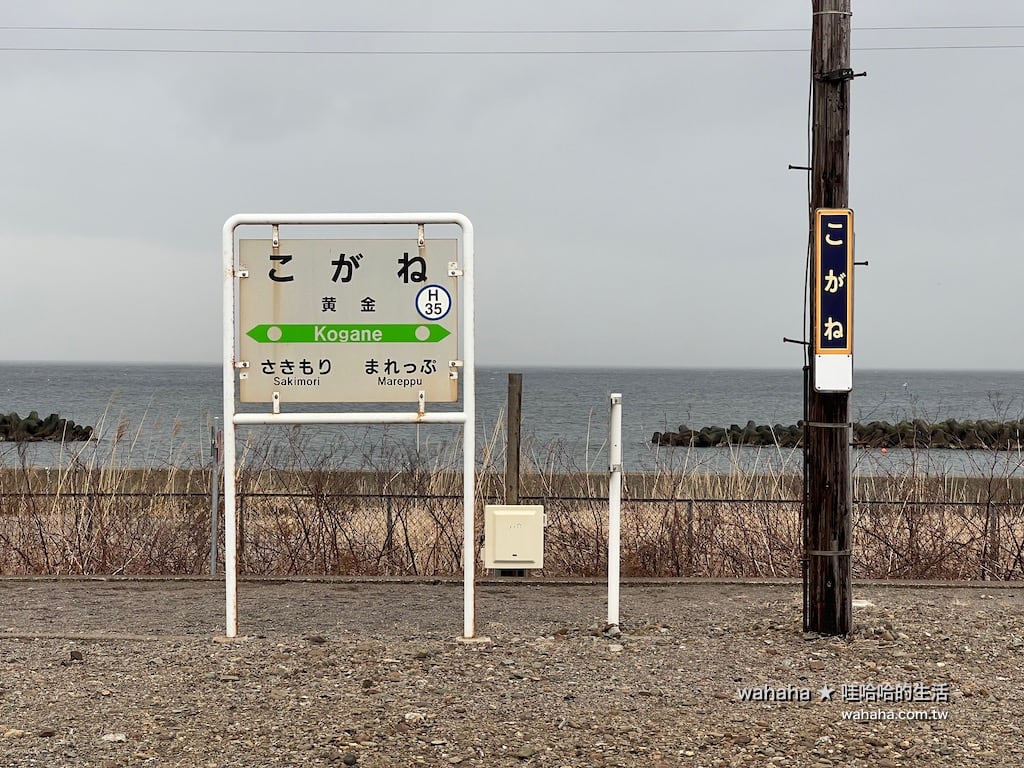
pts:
pixel 162 415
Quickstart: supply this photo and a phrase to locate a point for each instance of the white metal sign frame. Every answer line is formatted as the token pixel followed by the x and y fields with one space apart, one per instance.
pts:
pixel 466 417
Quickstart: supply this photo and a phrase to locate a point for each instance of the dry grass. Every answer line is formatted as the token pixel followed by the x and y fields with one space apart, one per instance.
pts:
pixel 400 515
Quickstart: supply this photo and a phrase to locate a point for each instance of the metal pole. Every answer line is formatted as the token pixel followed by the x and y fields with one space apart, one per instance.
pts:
pixel 215 459
pixel 468 435
pixel 230 542
pixel 614 505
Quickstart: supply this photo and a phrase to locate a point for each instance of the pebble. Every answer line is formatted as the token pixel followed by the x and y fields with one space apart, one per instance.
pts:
pixel 569 708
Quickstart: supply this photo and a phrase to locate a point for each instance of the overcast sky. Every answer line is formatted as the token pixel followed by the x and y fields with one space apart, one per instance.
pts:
pixel 629 208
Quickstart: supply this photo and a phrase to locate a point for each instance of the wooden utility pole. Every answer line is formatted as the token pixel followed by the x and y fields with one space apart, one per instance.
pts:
pixel 828 496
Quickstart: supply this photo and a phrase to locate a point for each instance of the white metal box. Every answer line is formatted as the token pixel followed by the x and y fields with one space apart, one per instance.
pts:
pixel 513 536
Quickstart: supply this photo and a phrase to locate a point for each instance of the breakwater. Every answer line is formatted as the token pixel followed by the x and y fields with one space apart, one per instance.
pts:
pixel 32 428
pixel 981 434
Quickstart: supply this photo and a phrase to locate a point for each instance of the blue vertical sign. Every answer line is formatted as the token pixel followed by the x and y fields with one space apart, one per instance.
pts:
pixel 833 316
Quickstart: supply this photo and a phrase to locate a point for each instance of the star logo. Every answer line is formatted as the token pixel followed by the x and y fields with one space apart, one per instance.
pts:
pixel 825 692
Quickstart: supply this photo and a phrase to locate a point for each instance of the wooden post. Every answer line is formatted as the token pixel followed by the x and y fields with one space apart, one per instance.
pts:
pixel 829 489
pixel 515 420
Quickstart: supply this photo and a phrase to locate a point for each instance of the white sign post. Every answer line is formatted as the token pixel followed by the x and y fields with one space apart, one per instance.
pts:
pixel 343 321
pixel 614 504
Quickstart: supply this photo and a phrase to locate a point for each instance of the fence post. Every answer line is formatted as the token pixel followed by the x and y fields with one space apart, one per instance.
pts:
pixel 216 447
pixel 690 560
pixel 991 567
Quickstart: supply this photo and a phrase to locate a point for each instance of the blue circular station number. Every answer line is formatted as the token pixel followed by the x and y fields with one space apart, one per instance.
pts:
pixel 433 302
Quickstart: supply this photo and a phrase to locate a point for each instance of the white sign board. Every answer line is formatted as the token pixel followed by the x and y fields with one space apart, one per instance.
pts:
pixel 348 321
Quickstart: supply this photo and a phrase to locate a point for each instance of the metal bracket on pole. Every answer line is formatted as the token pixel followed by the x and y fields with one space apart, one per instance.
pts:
pixel 838 75
pixel 421 241
pixel 835 76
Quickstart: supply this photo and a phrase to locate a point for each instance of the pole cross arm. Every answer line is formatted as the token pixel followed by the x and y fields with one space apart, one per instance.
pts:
pixel 838 75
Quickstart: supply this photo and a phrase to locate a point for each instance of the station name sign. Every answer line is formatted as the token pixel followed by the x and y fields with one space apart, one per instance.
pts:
pixel 348 321
pixel 833 315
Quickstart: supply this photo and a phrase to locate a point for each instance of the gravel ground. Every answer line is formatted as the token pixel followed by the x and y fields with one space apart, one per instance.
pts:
pixel 332 673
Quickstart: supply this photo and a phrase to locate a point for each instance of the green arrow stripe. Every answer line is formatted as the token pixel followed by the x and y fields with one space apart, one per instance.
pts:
pixel 314 333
